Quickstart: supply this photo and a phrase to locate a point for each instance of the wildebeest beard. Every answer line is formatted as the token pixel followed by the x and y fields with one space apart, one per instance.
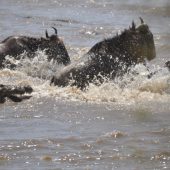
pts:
pixel 52 45
pixel 110 58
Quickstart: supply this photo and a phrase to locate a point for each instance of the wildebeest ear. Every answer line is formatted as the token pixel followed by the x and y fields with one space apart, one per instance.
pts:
pixel 142 22
pixel 55 30
pixel 133 26
pixel 46 33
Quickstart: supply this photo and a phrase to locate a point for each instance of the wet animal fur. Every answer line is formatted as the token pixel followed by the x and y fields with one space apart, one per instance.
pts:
pixel 110 58
pixel 16 45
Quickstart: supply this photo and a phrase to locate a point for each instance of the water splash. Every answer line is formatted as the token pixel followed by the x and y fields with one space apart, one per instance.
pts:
pixel 132 87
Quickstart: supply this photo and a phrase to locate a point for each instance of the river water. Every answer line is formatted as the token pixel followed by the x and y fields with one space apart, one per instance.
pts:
pixel 121 125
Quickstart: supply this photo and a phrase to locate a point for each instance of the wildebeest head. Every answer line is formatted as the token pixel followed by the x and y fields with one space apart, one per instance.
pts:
pixel 56 48
pixel 167 64
pixel 139 42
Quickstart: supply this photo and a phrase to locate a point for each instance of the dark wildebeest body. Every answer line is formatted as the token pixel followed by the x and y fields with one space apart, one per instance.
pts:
pixel 16 45
pixel 11 92
pixel 110 58
pixel 167 64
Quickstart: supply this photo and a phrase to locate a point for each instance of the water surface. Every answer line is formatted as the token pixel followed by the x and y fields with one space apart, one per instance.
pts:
pixel 118 125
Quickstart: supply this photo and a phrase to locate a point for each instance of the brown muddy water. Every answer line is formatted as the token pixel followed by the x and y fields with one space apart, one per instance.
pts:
pixel 120 125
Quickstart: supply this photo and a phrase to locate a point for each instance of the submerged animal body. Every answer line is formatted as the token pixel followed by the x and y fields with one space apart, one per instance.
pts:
pixel 53 46
pixel 11 92
pixel 110 58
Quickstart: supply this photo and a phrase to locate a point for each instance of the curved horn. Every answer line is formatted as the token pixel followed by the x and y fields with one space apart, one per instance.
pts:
pixel 46 33
pixel 55 30
pixel 133 26
pixel 141 20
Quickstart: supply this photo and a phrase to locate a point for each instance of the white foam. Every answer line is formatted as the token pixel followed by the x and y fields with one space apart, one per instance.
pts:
pixel 133 87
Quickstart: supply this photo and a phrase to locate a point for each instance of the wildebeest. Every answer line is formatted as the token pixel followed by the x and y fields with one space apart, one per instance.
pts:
pixel 12 92
pixel 167 64
pixel 110 58
pixel 53 46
